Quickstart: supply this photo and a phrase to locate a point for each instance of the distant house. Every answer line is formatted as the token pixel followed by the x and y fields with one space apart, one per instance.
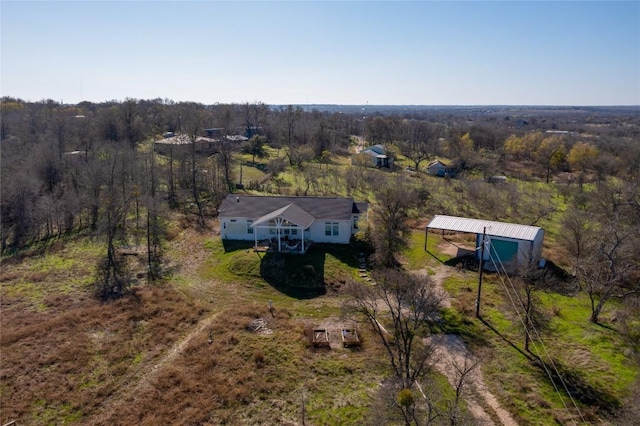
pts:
pixel 376 156
pixel 236 139
pixel 507 246
pixel 290 223
pixel 181 145
pixel 438 168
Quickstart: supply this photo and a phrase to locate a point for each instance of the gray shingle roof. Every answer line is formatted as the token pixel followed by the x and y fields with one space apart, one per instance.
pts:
pixel 255 207
pixel 476 226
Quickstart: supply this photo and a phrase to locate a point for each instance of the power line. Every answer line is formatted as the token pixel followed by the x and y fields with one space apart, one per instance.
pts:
pixel 535 334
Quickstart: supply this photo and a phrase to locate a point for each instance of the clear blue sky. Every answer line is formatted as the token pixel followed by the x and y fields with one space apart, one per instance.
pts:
pixel 346 52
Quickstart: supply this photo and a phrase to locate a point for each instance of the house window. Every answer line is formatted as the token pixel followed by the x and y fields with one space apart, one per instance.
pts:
pixel 331 228
pixel 249 228
pixel 294 231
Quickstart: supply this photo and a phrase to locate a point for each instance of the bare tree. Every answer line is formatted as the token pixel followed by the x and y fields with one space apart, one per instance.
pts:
pixel 291 117
pixel 462 370
pixel 611 267
pixel 193 124
pixel 576 224
pixel 113 277
pixel 399 309
pixel 609 271
pixel 389 221
pixel 154 248
pixel 299 155
pixel 418 140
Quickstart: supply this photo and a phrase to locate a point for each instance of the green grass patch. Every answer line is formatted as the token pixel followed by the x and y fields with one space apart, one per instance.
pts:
pixel 65 269
pixel 416 255
pixel 587 356
pixel 62 414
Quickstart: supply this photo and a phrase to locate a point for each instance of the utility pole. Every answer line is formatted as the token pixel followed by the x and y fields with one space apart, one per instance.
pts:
pixel 484 233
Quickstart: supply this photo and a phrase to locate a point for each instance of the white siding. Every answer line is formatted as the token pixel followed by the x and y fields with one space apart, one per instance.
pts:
pixel 235 229
pixel 529 252
pixel 318 235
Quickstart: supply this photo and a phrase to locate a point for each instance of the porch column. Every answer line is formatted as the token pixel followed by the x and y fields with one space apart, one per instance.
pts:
pixel 302 239
pixel 255 237
pixel 278 228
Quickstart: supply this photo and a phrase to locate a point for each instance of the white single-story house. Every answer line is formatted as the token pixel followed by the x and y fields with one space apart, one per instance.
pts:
pixel 290 223
pixel 378 156
pixel 507 246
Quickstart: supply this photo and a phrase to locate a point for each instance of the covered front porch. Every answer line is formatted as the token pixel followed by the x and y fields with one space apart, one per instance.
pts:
pixel 286 230
pixel 292 246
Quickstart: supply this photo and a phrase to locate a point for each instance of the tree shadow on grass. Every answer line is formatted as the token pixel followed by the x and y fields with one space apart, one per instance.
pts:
pixel 575 382
pixel 296 275
pixel 235 245
pixel 301 276
pixel 465 259
pixel 506 340
pixel 565 378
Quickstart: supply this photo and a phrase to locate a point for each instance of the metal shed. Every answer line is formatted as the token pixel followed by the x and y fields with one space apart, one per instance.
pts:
pixel 512 245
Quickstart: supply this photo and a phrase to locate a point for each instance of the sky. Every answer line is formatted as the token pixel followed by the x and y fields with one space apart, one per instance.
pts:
pixel 330 52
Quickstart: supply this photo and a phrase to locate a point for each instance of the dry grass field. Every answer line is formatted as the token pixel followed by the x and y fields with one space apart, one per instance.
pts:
pixel 181 352
pixel 203 347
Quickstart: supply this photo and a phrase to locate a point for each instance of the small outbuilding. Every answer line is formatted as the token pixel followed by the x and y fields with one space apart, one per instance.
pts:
pixel 377 156
pixel 440 169
pixel 507 246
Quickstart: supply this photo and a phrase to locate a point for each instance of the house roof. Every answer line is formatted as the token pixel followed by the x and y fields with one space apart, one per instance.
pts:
pixel 360 207
pixel 184 140
pixel 376 151
pixel 477 226
pixel 291 213
pixel 373 153
pixel 323 208
pixel 435 163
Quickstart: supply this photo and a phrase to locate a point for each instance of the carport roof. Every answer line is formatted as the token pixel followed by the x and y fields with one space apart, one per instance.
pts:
pixel 477 226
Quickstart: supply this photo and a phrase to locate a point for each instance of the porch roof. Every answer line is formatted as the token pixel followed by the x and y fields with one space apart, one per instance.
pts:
pixel 291 213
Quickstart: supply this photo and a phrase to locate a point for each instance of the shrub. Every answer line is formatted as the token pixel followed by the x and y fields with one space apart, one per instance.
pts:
pixel 258 358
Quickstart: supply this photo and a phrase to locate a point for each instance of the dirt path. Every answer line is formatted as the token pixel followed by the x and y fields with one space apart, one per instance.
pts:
pixel 450 350
pixel 145 377
pixel 190 257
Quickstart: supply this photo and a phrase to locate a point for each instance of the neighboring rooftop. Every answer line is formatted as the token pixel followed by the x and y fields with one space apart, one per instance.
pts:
pixel 184 140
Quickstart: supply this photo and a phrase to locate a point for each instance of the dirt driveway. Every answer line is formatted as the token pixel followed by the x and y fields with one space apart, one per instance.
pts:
pixel 450 351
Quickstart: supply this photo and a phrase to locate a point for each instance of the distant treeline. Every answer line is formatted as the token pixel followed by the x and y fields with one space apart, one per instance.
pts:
pixel 64 166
